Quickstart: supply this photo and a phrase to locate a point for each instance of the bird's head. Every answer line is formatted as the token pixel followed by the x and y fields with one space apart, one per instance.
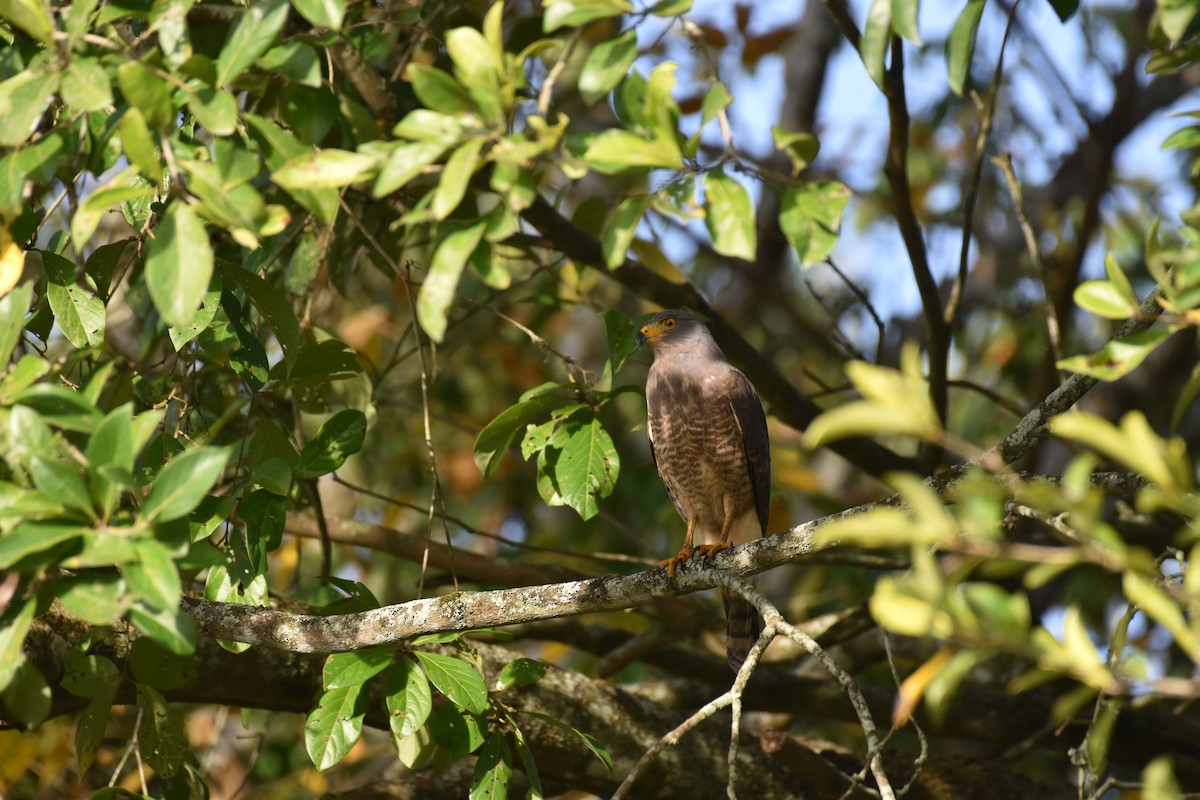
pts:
pixel 672 328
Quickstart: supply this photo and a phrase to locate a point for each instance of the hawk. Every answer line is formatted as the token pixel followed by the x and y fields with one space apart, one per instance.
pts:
pixel 708 436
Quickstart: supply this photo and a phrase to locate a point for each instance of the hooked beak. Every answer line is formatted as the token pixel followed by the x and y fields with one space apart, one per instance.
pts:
pixel 644 336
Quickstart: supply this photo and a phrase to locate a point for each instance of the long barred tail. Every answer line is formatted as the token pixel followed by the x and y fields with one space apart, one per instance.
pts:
pixel 742 628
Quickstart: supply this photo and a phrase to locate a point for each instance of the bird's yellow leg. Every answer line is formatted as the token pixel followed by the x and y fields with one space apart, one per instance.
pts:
pixel 710 550
pixel 671 564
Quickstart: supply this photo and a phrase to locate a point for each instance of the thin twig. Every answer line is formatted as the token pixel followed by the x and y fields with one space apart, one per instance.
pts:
pixel 435 493
pixel 990 394
pixel 672 738
pixel 866 303
pixel 1004 163
pixel 594 555
pixel 737 690
pixel 547 90
pixel 923 756
pixel 981 140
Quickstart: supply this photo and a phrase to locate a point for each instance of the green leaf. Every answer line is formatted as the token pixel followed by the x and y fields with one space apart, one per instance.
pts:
pixel 671 8
pixel 154 666
pixel 1067 8
pixel 296 60
pixel 877 33
pixel 800 148
pixel 61 482
pixel 78 312
pixel 904 19
pixel 34 536
pixel 340 437
pixel 359 666
pixel 621 338
pixel 85 85
pixel 1106 299
pixel 89 675
pixel 1118 278
pixel 531 771
pixel 621 227
pixel 615 150
pixel 810 217
pixel 335 724
pixel 1183 403
pixel 408 697
pixel 455 678
pixel 203 317
pixel 474 61
pixel 250 37
pixel 325 169
pixel 587 468
pixel 96 596
pixel 1175 17
pixel 460 166
pixel 877 528
pixel 458 732
pixel 497 436
pixel 424 125
pixel 1155 603
pixel 27 371
pixel 138 144
pixel 1159 782
pixel 146 91
pixel 438 90
pixel 729 215
pixel 277 146
pixel 172 629
pixel 160 738
pixel 27 696
pixel 55 405
pixel 895 403
pixel 23 99
pixel 182 483
pixel 123 187
pixel 445 269
pixel 90 730
pixel 215 109
pixel 153 576
pixel 13 308
pixel 17 620
pixel 272 304
pixel 405 163
pixel 493 770
pixel 324 13
pixel 960 46
pixel 31 16
pixel 179 265
pixel 560 13
pixel 1120 356
pixel 521 672
pixel 608 63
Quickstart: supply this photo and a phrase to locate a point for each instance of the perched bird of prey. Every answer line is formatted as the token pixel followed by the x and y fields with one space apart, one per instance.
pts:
pixel 708 435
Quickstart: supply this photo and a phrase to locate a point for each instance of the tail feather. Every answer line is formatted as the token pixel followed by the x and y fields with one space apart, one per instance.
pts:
pixel 742 628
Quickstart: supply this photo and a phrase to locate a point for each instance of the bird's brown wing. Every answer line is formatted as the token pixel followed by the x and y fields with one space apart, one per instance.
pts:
pixel 756 443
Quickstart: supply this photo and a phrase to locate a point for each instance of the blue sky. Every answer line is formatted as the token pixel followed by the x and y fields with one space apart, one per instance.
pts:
pixel 1052 79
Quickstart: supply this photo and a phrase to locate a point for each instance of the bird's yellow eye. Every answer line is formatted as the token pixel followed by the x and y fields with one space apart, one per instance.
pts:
pixel 669 323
